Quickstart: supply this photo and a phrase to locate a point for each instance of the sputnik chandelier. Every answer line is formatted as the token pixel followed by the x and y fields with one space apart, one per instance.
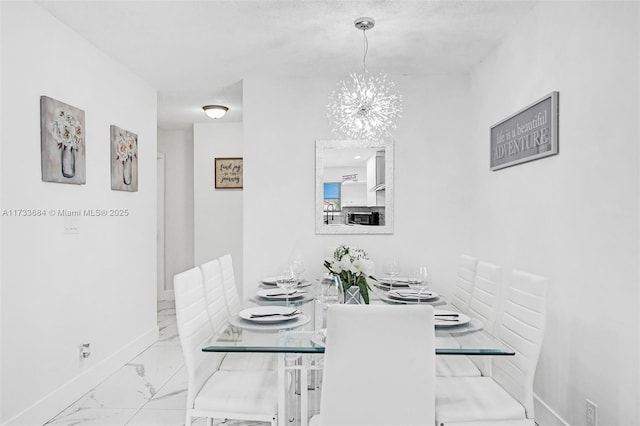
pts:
pixel 364 107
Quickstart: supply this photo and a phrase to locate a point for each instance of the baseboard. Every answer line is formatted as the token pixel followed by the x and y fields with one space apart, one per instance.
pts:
pixel 545 416
pixel 56 401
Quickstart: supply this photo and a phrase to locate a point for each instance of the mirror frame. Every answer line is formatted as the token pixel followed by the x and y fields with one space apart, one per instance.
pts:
pixel 321 227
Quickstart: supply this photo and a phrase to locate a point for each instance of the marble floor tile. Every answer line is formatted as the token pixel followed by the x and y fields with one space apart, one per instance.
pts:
pixel 159 417
pixel 94 417
pixel 169 333
pixel 173 395
pixel 150 390
pixel 155 417
pixel 138 381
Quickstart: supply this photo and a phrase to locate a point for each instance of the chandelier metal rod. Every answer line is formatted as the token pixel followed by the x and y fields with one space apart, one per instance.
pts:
pixel 366 49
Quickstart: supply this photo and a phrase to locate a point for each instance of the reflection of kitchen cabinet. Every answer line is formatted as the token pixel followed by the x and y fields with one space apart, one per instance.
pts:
pixel 375 180
pixel 354 193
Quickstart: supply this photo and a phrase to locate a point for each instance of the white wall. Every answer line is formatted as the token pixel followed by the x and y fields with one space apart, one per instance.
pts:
pixel 177 146
pixel 1 206
pixel 60 290
pixel 572 217
pixel 218 219
pixel 431 159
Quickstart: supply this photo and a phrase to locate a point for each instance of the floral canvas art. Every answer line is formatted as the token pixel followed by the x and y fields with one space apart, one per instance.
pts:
pixel 124 160
pixel 62 142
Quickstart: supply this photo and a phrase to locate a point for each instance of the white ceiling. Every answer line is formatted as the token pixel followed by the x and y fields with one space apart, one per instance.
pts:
pixel 197 52
pixel 348 157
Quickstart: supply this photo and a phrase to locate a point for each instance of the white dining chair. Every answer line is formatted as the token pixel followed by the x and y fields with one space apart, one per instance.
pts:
pixel 218 316
pixel 231 295
pixel 214 294
pixel 211 392
pixel 378 366
pixel 483 307
pixel 505 398
pixel 485 299
pixel 465 278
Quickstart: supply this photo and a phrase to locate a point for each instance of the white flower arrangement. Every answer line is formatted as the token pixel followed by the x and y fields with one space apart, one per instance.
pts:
pixel 125 147
pixel 66 130
pixel 353 267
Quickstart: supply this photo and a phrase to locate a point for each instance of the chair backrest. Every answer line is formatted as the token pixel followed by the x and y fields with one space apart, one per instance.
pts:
pixel 521 326
pixel 214 294
pixel 231 295
pixel 485 298
pixel 194 331
pixel 379 366
pixel 464 282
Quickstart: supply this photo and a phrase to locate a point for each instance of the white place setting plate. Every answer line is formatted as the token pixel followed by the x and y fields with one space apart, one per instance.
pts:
pixel 446 318
pixel 411 295
pixel 274 281
pixel 278 294
pixel 275 323
pixel 269 314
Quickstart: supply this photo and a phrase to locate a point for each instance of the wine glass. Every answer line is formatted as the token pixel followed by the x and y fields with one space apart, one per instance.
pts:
pixel 287 282
pixel 419 280
pixel 330 293
pixel 391 268
pixel 297 266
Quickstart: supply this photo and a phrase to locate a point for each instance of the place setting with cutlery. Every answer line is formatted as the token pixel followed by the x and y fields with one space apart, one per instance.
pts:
pixel 274 311
pixel 406 290
pixel 289 287
pixel 269 318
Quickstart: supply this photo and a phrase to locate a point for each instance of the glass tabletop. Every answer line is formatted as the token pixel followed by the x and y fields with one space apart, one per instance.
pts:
pixel 466 339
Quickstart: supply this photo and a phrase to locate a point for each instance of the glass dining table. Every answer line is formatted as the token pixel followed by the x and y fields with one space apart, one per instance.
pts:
pixel 291 337
pixel 300 344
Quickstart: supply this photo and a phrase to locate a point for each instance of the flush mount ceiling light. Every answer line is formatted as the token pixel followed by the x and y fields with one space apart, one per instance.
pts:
pixel 365 107
pixel 215 111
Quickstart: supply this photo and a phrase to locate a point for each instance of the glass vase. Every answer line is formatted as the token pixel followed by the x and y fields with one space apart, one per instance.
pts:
pixel 68 162
pixel 126 171
pixel 352 295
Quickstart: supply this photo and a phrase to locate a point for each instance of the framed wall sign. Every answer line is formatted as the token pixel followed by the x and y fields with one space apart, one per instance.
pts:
pixel 526 135
pixel 228 173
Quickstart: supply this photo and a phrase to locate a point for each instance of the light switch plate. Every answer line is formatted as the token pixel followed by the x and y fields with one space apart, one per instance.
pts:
pixel 71 225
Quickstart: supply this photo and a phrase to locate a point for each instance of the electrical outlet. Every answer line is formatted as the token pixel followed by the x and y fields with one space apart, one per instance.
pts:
pixel 85 350
pixel 592 413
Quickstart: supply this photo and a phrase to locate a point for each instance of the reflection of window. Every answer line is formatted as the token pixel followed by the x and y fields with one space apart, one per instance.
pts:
pixel 331 196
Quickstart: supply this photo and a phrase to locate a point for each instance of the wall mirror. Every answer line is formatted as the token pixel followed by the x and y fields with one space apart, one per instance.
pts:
pixel 354 187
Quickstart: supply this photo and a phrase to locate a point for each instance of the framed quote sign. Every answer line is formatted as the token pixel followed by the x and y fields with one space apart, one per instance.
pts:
pixel 228 173
pixel 526 135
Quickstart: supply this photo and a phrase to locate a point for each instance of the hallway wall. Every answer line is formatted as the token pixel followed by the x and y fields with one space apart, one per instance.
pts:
pixel 218 213
pixel 177 145
pixel 60 290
